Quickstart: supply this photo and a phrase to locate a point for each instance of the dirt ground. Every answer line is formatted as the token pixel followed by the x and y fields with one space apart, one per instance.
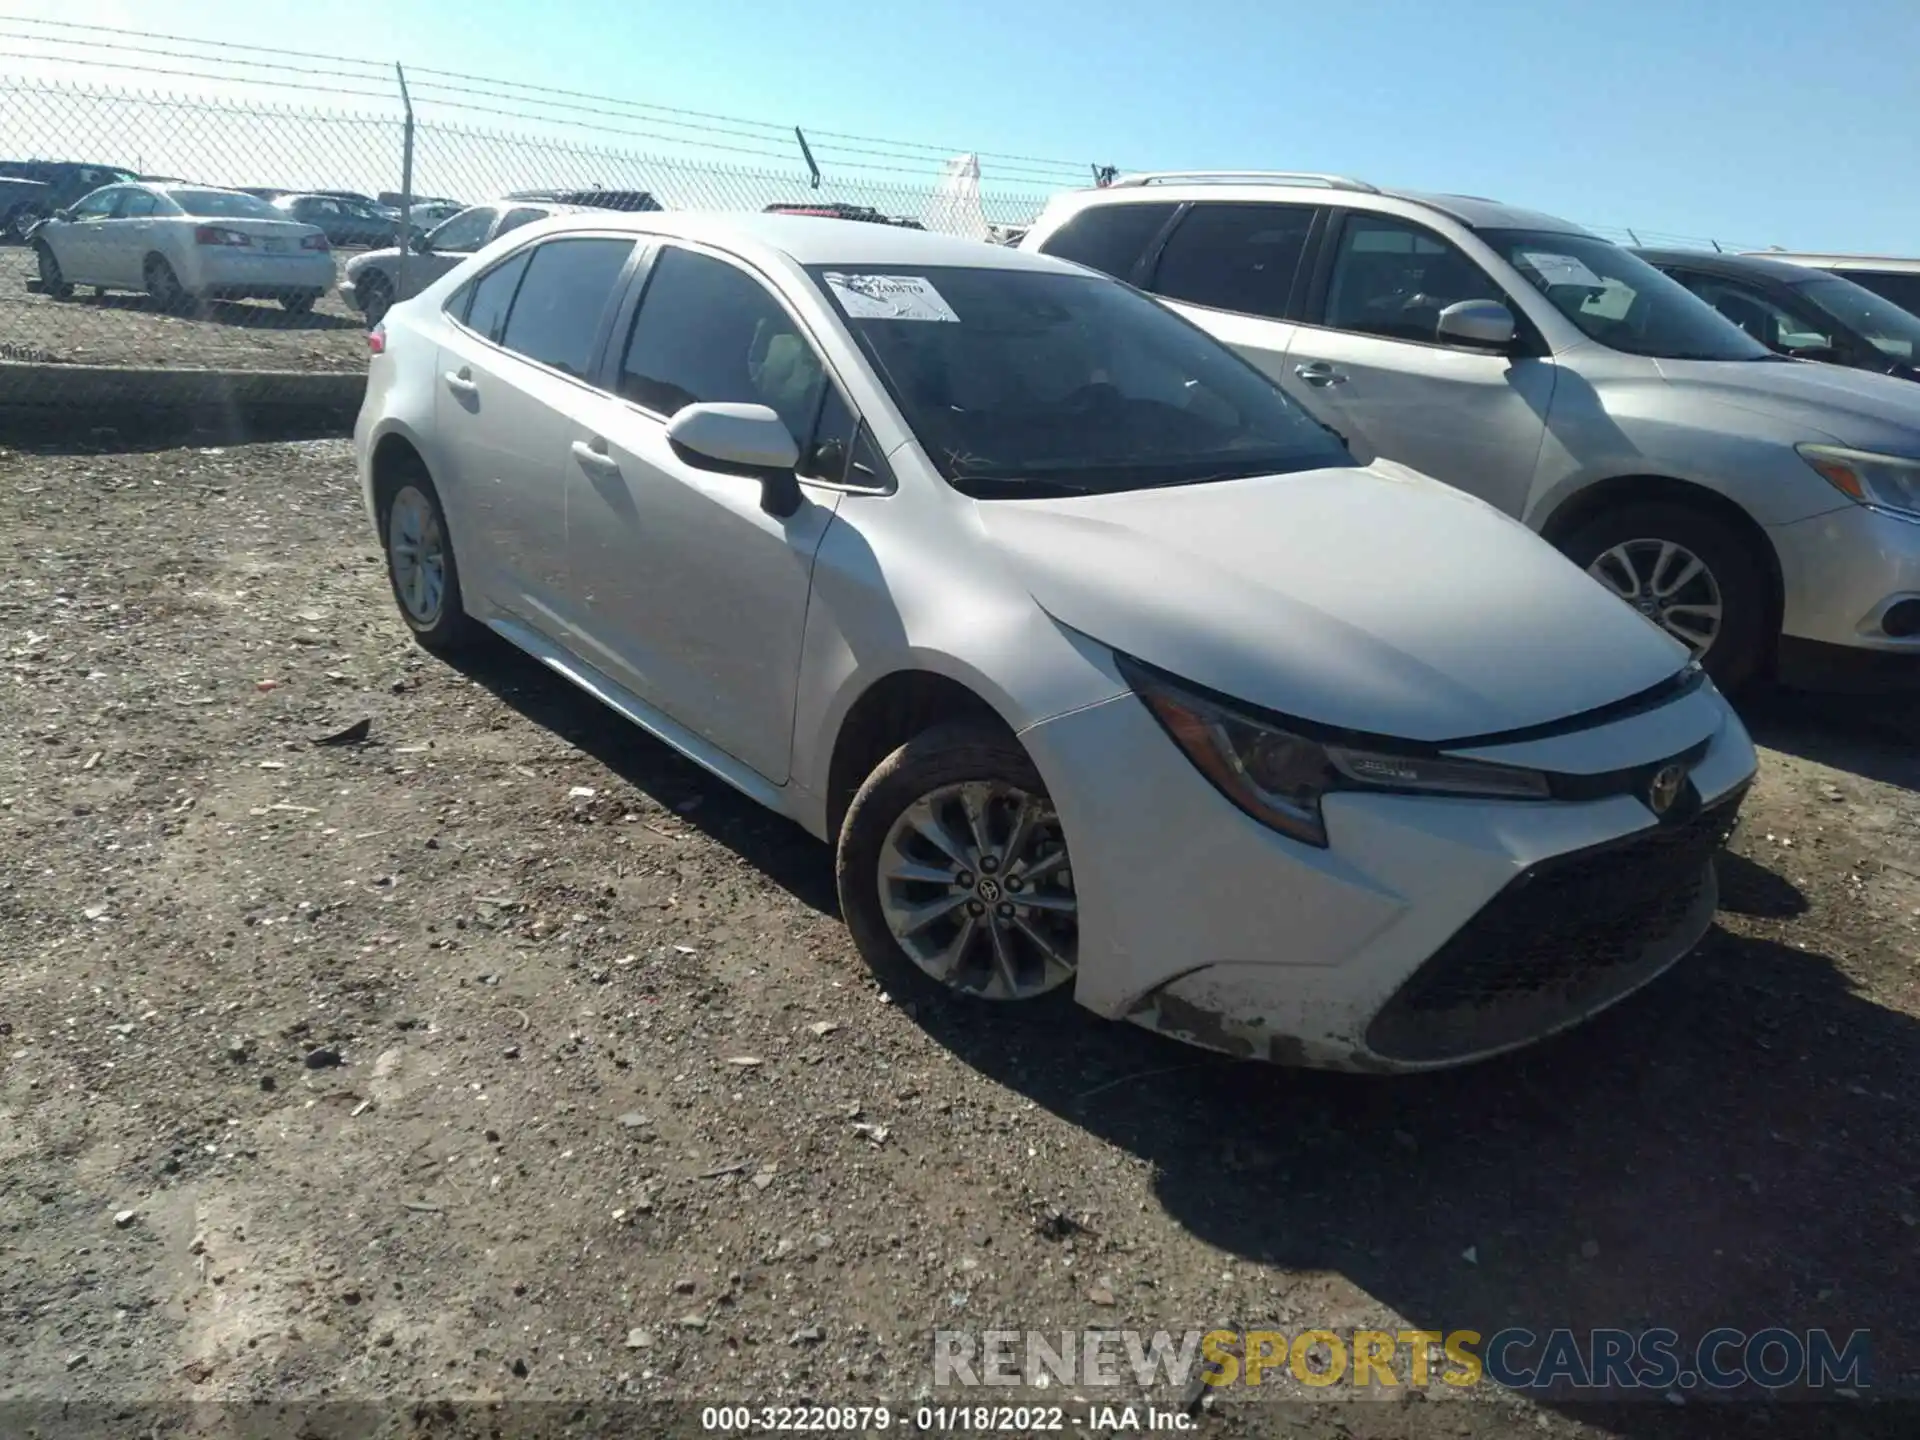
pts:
pixel 504 1057
pixel 125 329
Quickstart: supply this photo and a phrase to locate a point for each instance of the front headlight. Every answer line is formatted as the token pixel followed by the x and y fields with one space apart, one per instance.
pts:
pixel 1890 481
pixel 1279 776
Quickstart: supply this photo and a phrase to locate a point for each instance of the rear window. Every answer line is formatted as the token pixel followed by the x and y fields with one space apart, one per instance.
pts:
pixel 1109 238
pixel 224 204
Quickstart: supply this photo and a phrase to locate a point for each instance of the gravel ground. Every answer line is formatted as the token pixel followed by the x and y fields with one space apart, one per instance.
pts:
pixel 124 329
pixel 505 1057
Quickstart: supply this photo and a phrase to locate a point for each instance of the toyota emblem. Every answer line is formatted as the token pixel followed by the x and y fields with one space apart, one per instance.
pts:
pixel 1663 791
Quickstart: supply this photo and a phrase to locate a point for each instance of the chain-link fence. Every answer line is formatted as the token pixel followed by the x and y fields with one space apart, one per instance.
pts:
pixel 191 279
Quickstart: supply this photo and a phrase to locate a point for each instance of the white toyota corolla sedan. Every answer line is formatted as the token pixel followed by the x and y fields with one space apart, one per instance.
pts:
pixel 1100 662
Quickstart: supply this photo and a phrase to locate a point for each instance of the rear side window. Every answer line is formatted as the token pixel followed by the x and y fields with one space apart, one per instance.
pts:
pixel 1111 238
pixel 138 203
pixel 1235 257
pixel 708 331
pixel 489 297
pixel 556 313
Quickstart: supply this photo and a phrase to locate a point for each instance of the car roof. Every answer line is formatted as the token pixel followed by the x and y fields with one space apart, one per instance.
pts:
pixel 1715 262
pixel 1475 211
pixel 815 240
pixel 1817 260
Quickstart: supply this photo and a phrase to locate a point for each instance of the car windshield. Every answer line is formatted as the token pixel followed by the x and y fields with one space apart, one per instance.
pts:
pixel 1620 300
pixel 1884 325
pixel 224 205
pixel 1030 382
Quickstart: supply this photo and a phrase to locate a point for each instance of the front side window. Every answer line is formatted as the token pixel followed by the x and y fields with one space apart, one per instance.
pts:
pixel 1033 382
pixel 224 205
pixel 1901 288
pixel 1894 332
pixel 1235 257
pixel 465 232
pixel 557 311
pixel 1784 328
pixel 707 331
pixel 1392 278
pixel 1620 300
pixel 1109 238
pixel 97 206
pixel 492 296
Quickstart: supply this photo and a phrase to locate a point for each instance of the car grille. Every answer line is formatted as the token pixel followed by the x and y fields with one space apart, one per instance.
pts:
pixel 1565 937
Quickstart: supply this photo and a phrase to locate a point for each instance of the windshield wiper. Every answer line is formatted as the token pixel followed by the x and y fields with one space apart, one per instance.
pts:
pixel 1030 487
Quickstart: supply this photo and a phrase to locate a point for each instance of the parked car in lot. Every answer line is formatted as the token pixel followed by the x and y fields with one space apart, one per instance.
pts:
pixel 64 181
pixel 343 222
pixel 1888 276
pixel 372 282
pixel 181 244
pixel 1101 662
pixel 1792 310
pixel 1765 512
pixel 593 198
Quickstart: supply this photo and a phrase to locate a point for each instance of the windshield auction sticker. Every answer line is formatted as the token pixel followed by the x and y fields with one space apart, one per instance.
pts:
pixel 888 297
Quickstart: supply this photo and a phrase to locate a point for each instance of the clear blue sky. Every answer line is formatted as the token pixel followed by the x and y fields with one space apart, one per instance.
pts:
pixel 1764 121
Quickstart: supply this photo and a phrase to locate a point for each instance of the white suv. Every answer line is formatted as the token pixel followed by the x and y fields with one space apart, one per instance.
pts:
pixel 1763 510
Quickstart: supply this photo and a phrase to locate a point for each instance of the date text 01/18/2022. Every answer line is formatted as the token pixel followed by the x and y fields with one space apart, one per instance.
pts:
pixel 944 1419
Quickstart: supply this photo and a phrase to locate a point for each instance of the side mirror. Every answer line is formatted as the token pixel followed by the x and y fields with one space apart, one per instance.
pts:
pixel 746 440
pixel 417 242
pixel 1483 324
pixel 63 213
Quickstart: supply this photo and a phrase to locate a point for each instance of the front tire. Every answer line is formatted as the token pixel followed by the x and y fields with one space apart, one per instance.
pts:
pixel 1690 573
pixel 420 565
pixel 953 873
pixel 53 281
pixel 301 304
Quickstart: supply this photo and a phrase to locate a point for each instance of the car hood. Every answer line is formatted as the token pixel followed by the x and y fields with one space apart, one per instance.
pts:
pixel 1833 402
pixel 1370 599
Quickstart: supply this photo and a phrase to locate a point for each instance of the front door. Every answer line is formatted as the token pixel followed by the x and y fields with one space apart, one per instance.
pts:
pixel 81 243
pixel 1370 363
pixel 692 594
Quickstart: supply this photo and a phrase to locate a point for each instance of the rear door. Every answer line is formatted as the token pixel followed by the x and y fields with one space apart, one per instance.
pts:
pixel 130 238
pixel 693 596
pixel 1234 269
pixel 521 348
pixel 1369 361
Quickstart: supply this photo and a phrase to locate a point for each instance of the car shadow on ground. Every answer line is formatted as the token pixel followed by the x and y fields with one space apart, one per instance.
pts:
pixel 782 851
pixel 241 314
pixel 1873 736
pixel 1731 1147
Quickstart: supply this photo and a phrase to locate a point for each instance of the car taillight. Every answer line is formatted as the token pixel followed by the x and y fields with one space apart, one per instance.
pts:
pixel 219 235
pixel 377 339
pixel 315 242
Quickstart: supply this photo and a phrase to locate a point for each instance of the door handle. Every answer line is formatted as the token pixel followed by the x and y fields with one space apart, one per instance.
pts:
pixel 1319 372
pixel 461 382
pixel 593 455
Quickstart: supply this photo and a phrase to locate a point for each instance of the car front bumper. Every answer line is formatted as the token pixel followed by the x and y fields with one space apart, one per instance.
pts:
pixel 1432 931
pixel 1842 572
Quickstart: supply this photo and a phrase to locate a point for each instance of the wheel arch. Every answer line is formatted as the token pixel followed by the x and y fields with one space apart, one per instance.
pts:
pixel 884 716
pixel 1589 503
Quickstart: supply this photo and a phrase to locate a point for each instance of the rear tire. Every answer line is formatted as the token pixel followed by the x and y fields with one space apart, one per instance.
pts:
pixel 52 281
pixel 163 286
pixel 420 566
pixel 1646 553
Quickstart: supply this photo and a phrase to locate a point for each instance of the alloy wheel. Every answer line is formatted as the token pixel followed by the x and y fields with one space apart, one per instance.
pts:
pixel 1668 584
pixel 976 887
pixel 417 551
